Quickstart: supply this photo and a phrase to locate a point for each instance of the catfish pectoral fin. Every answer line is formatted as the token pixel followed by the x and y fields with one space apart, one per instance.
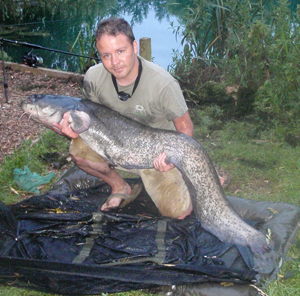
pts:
pixel 80 121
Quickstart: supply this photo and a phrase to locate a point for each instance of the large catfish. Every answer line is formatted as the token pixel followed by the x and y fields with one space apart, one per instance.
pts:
pixel 129 144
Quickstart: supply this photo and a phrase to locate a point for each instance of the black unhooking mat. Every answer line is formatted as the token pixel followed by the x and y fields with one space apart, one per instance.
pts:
pixel 60 242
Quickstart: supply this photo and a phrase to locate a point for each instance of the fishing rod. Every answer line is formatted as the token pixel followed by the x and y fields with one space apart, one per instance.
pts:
pixel 46 48
pixel 32 23
pixel 32 60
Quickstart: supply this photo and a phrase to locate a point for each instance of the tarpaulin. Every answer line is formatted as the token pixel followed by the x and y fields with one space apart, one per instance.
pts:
pixel 61 242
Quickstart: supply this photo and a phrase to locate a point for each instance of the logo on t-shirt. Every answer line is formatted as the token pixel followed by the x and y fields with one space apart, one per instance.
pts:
pixel 139 110
pixel 139 114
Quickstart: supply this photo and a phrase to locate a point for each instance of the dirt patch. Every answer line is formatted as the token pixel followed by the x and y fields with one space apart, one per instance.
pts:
pixel 15 128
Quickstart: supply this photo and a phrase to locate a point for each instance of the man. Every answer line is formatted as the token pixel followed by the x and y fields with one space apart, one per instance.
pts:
pixel 144 92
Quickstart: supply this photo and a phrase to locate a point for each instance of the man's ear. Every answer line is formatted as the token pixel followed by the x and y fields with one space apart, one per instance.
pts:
pixel 135 47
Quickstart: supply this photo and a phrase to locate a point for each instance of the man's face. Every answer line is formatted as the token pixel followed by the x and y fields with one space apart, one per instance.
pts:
pixel 118 55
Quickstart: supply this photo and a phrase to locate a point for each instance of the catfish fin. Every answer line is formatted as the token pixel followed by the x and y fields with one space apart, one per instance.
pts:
pixel 80 121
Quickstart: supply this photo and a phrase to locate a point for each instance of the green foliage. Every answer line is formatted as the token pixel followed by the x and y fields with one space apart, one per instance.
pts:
pixel 279 95
pixel 87 43
pixel 254 45
pixel 213 37
pixel 204 29
pixel 207 120
pixel 247 63
pixel 18 11
pixel 5 55
pixel 265 62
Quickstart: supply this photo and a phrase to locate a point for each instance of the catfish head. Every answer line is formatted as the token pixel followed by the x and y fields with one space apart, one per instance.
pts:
pixel 48 109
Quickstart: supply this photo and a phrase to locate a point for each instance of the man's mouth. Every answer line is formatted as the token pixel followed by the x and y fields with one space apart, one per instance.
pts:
pixel 118 69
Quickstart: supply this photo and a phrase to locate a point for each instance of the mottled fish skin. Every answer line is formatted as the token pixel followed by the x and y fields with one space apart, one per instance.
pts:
pixel 129 144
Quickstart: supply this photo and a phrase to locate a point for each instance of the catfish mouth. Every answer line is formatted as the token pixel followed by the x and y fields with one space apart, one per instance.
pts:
pixel 49 109
pixel 36 115
pixel 32 108
pixel 33 111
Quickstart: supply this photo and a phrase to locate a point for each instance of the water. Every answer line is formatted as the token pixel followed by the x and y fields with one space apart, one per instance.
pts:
pixel 60 30
pixel 163 40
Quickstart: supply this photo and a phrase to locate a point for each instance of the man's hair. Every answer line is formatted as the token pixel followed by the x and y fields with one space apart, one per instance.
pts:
pixel 114 27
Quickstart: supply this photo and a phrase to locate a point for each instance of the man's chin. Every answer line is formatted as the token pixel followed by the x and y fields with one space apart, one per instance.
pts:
pixel 119 74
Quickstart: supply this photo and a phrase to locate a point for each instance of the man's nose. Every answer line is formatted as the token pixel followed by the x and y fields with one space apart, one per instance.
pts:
pixel 114 60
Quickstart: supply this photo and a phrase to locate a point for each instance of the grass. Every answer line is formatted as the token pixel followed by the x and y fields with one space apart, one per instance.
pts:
pixel 12 291
pixel 260 169
pixel 261 165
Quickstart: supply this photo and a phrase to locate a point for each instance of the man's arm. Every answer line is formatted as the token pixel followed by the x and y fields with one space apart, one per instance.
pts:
pixel 183 125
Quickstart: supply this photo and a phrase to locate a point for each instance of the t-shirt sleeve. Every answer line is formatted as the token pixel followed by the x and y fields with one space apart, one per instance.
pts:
pixel 172 101
pixel 93 82
pixel 88 88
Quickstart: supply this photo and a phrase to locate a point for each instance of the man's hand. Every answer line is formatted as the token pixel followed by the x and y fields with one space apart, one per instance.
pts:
pixel 65 127
pixel 160 163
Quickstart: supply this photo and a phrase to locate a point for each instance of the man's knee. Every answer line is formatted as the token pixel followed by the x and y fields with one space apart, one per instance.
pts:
pixel 79 161
pixel 78 149
pixel 169 192
pixel 177 208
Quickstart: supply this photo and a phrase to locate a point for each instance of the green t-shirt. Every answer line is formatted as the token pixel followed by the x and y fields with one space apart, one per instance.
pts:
pixel 156 101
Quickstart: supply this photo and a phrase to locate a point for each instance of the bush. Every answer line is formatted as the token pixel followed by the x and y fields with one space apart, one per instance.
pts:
pixel 253 47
